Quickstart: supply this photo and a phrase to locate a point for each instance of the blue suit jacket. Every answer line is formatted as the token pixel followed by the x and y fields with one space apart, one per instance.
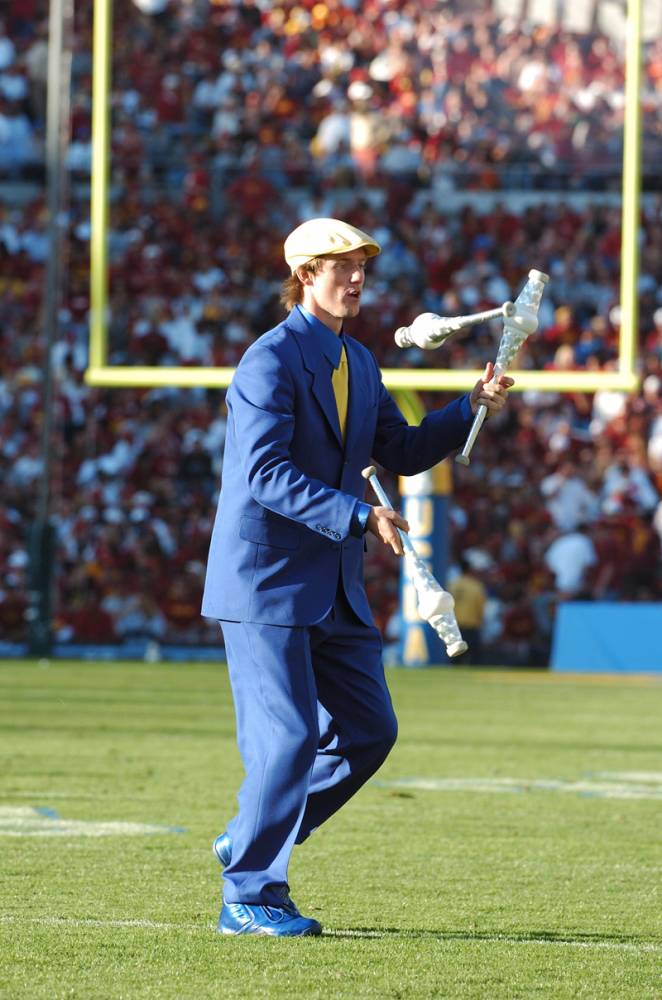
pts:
pixel 290 487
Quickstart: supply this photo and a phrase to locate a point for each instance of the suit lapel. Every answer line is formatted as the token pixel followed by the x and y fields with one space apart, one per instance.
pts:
pixel 316 362
pixel 323 391
pixel 357 392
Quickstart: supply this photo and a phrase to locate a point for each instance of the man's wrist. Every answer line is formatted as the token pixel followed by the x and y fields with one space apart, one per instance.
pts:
pixel 359 523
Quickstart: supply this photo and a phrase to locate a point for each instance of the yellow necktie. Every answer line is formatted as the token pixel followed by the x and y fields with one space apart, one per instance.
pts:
pixel 340 382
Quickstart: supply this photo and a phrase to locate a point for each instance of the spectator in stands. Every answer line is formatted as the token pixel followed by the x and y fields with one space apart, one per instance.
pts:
pixel 569 557
pixel 568 498
pixel 143 620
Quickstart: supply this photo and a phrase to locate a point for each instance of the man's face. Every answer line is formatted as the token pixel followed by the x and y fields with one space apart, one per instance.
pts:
pixel 334 293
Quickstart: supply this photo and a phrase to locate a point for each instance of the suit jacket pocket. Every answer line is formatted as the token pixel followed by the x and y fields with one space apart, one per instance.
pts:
pixel 280 535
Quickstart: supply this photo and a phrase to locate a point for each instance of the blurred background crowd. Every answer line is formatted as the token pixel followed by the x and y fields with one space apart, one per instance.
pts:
pixel 473 146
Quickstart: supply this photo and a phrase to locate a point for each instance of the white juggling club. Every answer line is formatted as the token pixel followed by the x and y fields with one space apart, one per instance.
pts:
pixel 429 331
pixel 516 328
pixel 435 605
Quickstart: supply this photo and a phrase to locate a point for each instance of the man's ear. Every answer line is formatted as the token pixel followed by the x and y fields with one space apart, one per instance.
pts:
pixel 304 275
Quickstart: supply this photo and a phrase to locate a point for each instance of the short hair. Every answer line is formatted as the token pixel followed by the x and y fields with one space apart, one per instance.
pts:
pixel 291 292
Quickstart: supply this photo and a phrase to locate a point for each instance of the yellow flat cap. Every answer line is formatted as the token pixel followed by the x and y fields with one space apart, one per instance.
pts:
pixel 321 237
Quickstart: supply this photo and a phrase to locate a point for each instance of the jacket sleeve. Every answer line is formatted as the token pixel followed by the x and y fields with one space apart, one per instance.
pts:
pixel 407 450
pixel 261 400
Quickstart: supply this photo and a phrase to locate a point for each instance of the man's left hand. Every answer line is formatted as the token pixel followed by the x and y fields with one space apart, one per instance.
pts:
pixel 488 393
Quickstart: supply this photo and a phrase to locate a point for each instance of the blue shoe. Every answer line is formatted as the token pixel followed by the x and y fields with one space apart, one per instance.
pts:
pixel 271 921
pixel 222 848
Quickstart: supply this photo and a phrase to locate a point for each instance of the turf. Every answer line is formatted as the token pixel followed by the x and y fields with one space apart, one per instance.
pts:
pixel 545 892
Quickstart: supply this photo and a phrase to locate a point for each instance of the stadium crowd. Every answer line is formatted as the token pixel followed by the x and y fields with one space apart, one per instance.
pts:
pixel 232 123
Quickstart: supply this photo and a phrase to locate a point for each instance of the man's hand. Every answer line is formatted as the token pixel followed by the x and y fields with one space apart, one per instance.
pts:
pixel 383 523
pixel 486 393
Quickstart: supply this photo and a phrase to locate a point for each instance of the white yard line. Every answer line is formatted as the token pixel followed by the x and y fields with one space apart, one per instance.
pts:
pixel 632 777
pixel 153 925
pixel 45 793
pixel 26 821
pixel 598 786
pixel 439 936
pixel 478 938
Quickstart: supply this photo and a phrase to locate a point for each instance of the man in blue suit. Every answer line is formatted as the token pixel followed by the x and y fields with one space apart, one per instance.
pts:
pixel 307 411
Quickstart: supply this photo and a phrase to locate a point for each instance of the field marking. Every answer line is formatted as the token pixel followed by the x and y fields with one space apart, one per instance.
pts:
pixel 629 785
pixel 600 680
pixel 349 932
pixel 636 777
pixel 44 793
pixel 152 925
pixel 25 821
pixel 478 938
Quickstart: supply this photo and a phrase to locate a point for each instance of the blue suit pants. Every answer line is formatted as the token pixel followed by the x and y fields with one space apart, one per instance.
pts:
pixel 314 722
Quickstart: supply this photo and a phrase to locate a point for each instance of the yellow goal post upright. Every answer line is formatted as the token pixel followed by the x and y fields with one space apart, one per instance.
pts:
pixel 101 373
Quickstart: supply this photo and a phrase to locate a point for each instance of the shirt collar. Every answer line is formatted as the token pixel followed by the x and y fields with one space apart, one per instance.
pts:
pixel 330 342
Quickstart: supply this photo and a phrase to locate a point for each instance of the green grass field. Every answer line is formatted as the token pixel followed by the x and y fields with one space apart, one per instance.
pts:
pixel 545 885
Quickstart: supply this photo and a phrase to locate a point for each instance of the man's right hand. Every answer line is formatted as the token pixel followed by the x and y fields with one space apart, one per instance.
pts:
pixel 383 523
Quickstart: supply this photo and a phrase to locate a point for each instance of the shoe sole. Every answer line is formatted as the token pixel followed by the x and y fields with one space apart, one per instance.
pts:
pixel 262 932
